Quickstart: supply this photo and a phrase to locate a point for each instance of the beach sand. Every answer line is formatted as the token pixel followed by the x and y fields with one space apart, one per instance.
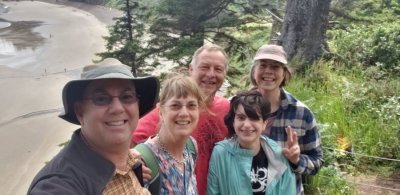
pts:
pixel 31 81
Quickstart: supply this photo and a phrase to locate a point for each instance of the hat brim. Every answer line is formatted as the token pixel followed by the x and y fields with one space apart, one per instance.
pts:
pixel 271 57
pixel 146 87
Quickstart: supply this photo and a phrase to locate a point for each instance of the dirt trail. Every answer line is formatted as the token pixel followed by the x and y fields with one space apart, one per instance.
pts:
pixel 373 184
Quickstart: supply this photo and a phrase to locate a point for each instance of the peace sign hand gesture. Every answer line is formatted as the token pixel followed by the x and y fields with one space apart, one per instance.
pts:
pixel 291 151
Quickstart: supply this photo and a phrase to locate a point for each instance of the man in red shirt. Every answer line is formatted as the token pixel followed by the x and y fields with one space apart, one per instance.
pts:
pixel 208 68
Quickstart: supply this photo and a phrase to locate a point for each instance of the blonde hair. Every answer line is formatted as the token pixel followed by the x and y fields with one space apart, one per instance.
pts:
pixel 209 47
pixel 181 86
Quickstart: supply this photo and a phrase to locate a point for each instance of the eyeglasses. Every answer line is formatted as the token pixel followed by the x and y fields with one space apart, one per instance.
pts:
pixel 103 99
pixel 272 65
pixel 177 107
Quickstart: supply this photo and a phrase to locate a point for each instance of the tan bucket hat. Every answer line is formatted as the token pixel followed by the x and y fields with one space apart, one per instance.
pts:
pixel 271 52
pixel 146 87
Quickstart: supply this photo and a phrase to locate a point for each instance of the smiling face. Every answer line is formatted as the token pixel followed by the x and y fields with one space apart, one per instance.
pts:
pixel 268 75
pixel 209 71
pixel 105 126
pixel 248 130
pixel 179 116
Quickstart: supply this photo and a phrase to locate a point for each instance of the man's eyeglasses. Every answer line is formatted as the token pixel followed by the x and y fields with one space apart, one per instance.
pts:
pixel 177 107
pixel 103 99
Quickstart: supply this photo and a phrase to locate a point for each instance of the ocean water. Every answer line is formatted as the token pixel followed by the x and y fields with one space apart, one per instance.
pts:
pixel 4 24
pixel 18 51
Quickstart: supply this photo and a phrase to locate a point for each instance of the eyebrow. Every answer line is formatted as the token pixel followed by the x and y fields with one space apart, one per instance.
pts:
pixel 268 62
pixel 101 90
pixel 177 101
pixel 237 112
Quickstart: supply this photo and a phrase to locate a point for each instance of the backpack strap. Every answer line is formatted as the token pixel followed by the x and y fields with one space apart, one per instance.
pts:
pixel 137 169
pixel 150 161
pixel 191 147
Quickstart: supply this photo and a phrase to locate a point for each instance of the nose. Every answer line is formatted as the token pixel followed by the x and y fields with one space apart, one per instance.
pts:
pixel 211 72
pixel 268 68
pixel 246 123
pixel 184 110
pixel 116 105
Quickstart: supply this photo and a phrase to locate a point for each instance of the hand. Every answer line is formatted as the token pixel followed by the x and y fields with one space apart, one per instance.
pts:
pixel 145 170
pixel 291 151
pixel 146 173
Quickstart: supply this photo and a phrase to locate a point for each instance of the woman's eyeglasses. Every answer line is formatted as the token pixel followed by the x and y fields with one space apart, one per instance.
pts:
pixel 177 107
pixel 103 99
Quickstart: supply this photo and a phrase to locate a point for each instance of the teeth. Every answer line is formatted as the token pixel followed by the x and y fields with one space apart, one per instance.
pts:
pixel 116 123
pixel 209 82
pixel 182 122
pixel 248 131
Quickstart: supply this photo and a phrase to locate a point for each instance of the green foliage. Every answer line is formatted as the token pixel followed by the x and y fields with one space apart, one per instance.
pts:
pixel 363 45
pixel 255 35
pixel 178 27
pixel 373 40
pixel 329 181
pixel 183 48
pixel 125 41
pixel 349 104
pixel 385 48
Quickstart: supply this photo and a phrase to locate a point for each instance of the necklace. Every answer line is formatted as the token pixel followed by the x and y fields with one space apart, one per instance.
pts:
pixel 162 147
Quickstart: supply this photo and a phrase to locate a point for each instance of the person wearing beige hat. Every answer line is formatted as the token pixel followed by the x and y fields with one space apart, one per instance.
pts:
pixel 291 123
pixel 106 102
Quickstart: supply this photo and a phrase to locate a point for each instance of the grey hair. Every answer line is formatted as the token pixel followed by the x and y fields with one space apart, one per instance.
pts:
pixel 209 47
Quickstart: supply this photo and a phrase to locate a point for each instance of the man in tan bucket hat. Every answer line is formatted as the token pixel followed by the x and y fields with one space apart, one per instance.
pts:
pixel 106 102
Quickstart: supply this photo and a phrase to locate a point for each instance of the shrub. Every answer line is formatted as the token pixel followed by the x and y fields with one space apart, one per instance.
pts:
pixel 363 45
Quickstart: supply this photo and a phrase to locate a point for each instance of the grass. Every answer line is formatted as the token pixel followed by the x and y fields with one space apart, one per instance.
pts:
pixel 349 106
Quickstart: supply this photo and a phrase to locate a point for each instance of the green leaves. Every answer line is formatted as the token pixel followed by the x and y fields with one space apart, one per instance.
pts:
pixel 125 41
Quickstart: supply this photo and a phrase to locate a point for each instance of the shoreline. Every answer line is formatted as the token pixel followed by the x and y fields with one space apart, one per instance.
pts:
pixel 102 13
pixel 33 37
pixel 30 125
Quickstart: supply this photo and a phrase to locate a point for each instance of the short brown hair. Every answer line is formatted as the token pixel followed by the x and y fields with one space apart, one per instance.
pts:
pixel 254 105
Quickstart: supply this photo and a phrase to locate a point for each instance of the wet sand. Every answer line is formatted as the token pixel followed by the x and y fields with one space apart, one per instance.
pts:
pixel 52 43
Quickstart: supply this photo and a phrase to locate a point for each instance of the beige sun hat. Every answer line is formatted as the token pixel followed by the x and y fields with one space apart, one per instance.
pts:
pixel 146 87
pixel 271 52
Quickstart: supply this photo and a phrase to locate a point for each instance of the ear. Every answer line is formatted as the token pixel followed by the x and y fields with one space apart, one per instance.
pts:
pixel 190 68
pixel 78 109
pixel 160 113
pixel 265 124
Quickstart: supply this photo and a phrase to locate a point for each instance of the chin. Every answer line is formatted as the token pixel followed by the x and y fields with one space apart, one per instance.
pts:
pixel 247 140
pixel 208 92
pixel 186 132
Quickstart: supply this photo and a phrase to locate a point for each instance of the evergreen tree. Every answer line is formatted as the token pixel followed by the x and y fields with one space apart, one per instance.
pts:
pixel 179 27
pixel 125 41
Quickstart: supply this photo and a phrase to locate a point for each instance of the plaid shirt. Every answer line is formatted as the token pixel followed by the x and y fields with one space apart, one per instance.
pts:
pixel 294 113
pixel 125 182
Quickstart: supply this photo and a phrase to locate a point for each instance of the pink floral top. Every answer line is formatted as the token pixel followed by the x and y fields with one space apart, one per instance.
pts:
pixel 174 180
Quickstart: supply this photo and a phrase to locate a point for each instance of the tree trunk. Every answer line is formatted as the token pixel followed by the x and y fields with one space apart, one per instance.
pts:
pixel 129 20
pixel 303 30
pixel 133 65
